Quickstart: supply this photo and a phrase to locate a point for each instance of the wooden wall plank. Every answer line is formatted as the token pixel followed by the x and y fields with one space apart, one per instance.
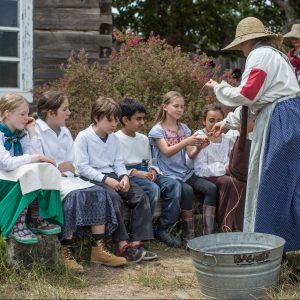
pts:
pixel 70 19
pixel 67 3
pixel 49 59
pixel 45 75
pixel 70 40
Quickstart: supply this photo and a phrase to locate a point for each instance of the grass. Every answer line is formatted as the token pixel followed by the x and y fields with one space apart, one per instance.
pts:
pixel 156 279
pixel 168 275
pixel 288 287
pixel 39 282
pixel 164 274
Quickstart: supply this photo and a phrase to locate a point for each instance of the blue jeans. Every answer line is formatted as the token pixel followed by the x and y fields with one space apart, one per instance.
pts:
pixel 169 190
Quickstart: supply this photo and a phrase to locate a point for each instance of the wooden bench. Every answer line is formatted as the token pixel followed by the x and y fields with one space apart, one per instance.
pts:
pixel 158 208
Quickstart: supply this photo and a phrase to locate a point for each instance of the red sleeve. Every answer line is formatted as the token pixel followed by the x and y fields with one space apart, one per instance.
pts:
pixel 254 83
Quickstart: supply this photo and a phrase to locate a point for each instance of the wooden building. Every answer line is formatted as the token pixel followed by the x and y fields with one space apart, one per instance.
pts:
pixel 36 37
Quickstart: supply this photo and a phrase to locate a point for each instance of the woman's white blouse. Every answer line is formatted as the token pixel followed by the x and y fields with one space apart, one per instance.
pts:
pixel 268 76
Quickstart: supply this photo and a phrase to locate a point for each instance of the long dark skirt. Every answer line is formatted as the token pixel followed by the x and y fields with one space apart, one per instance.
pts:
pixel 86 207
pixel 278 202
pixel 231 203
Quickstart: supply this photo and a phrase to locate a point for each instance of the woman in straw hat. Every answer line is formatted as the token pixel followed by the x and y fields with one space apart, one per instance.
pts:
pixel 292 38
pixel 270 89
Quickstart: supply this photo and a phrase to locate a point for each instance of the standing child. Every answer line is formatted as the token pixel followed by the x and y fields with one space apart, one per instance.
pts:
pixel 171 140
pixel 84 203
pixel 212 163
pixel 292 38
pixel 23 184
pixel 138 160
pixel 99 159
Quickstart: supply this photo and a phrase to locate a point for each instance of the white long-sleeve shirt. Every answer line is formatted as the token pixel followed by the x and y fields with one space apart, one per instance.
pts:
pixel 267 77
pixel 60 148
pixel 93 157
pixel 211 160
pixel 57 147
pixel 135 149
pixel 8 161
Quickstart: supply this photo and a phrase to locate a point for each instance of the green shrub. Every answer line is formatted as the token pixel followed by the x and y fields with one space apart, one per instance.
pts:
pixel 144 70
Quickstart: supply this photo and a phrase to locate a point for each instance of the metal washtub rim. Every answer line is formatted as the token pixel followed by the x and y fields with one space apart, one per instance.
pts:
pixel 232 253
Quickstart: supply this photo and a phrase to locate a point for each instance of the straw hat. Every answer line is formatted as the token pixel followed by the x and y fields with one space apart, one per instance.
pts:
pixel 248 29
pixel 294 33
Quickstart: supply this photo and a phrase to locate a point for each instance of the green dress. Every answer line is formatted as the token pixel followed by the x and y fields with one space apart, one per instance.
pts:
pixel 13 202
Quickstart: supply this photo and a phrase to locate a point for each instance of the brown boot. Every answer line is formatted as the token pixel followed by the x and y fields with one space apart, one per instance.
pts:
pixel 101 256
pixel 187 224
pixel 68 259
pixel 208 215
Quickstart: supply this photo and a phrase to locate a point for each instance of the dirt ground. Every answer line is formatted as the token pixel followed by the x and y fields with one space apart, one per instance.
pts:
pixel 171 276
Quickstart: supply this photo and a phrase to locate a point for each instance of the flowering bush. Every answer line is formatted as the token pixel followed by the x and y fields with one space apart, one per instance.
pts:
pixel 144 70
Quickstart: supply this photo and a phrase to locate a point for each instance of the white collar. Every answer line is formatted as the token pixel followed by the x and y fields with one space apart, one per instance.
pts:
pixel 45 127
pixel 94 135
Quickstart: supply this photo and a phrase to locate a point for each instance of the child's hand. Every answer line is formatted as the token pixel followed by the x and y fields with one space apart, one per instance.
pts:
pixel 30 126
pixel 125 185
pixel 204 142
pixel 41 158
pixel 142 174
pixel 66 166
pixel 153 174
pixel 113 183
pixel 196 140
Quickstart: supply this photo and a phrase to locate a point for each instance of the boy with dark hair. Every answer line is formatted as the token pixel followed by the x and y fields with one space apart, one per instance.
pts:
pixel 137 157
pixel 99 159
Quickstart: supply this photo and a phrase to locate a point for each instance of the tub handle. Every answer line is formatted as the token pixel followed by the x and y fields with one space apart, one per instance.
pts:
pixel 209 257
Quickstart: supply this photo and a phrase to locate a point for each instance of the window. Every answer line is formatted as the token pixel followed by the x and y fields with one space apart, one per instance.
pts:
pixel 16 47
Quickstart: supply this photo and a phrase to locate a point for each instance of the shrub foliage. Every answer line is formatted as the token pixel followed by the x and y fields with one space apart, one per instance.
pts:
pixel 142 69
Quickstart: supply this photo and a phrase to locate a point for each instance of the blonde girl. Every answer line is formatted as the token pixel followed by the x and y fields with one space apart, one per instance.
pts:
pixel 27 191
pixel 170 141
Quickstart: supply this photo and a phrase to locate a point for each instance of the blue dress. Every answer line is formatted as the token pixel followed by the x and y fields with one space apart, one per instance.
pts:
pixel 174 166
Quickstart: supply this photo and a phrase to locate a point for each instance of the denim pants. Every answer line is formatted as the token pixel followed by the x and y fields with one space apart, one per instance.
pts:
pixel 200 185
pixel 150 188
pixel 140 215
pixel 169 190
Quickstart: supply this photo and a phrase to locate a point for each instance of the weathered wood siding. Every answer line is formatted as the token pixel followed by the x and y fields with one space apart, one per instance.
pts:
pixel 61 26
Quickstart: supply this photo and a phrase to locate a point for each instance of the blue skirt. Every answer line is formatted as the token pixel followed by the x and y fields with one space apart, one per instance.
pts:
pixel 278 203
pixel 86 207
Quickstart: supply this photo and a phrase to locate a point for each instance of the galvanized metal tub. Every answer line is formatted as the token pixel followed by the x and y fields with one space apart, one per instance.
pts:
pixel 236 265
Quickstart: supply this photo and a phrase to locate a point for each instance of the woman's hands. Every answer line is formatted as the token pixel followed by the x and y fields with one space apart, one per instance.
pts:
pixel 217 129
pixel 211 83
